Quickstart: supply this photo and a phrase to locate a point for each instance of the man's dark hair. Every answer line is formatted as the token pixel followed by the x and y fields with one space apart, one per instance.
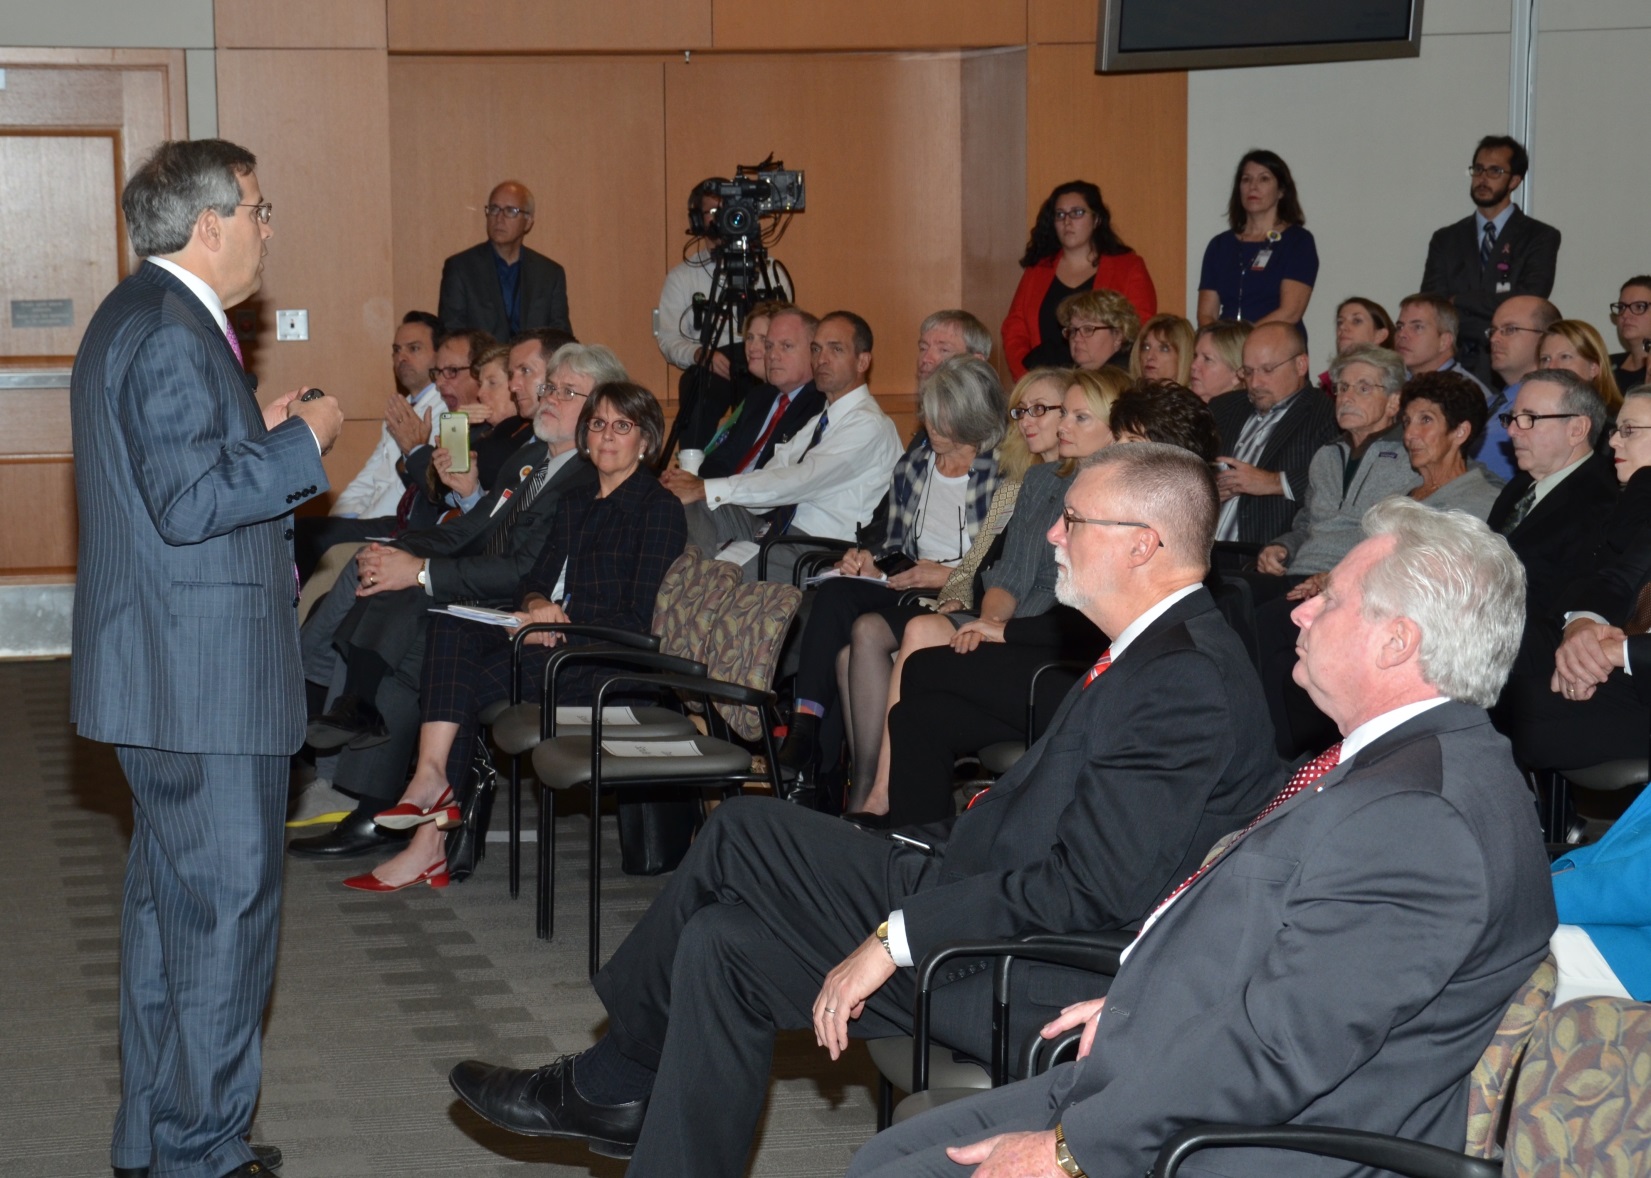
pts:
pixel 1458 398
pixel 1163 411
pixel 1521 161
pixel 180 180
pixel 549 340
pixel 429 320
pixel 478 340
pixel 862 329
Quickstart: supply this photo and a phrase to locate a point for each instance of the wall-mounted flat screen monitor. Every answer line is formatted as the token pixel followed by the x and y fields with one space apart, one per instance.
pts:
pixel 1217 34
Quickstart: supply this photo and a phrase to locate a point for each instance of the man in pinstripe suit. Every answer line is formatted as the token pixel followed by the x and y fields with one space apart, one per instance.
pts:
pixel 186 647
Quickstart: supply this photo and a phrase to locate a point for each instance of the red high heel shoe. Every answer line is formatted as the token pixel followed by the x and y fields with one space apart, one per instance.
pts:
pixel 435 875
pixel 405 815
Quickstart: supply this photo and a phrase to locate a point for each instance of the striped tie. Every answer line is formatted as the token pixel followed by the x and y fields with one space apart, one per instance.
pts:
pixel 1099 669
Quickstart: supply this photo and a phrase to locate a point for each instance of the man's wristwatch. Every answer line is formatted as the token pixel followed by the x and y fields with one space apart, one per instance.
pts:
pixel 883 936
pixel 424 576
pixel 1063 1156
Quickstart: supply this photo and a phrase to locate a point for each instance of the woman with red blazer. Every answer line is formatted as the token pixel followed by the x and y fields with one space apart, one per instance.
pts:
pixel 1072 248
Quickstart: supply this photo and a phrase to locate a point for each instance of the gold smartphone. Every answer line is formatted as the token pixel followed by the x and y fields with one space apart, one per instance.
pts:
pixel 455 439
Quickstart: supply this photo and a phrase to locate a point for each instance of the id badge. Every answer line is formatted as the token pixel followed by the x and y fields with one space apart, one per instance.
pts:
pixel 1504 287
pixel 1261 260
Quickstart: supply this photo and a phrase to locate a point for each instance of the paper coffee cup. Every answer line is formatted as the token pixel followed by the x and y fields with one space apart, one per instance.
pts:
pixel 689 460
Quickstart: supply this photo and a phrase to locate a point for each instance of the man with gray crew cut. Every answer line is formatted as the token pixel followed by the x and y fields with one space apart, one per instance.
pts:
pixel 186 647
pixel 1346 958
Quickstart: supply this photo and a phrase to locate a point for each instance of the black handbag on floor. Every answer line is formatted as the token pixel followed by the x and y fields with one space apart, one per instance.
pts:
pixel 656 828
pixel 467 843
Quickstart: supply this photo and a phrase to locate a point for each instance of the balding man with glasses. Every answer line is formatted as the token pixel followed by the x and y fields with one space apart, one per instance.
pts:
pixel 1493 253
pixel 1269 434
pixel 500 285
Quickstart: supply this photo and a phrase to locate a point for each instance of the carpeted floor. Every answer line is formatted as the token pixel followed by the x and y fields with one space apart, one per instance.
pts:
pixel 375 998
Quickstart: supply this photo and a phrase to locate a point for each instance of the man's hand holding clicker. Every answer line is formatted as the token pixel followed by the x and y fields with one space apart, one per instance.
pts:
pixel 323 415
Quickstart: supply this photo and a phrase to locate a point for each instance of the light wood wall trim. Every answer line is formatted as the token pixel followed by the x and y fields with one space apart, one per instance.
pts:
pixel 42 491
pixel 168 63
pixel 36 425
pixel 767 25
pixel 319 122
pixel 547 26
pixel 300 24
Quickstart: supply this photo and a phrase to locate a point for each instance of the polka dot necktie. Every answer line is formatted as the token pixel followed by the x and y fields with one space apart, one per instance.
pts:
pixel 1299 780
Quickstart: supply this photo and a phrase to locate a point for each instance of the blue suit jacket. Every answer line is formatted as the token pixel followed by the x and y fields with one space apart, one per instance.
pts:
pixel 185 636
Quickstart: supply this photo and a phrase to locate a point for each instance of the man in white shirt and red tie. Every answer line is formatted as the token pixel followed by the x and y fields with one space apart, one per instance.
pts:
pixel 1345 959
pixel 781 918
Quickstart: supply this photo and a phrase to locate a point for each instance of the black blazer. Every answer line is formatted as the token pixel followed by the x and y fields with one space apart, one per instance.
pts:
pixel 1309 422
pixel 804 407
pixel 470 295
pixel 1527 247
pixel 1554 540
pixel 1619 567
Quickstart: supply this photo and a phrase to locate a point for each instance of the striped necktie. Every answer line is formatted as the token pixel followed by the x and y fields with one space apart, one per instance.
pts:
pixel 1487 244
pixel 1099 669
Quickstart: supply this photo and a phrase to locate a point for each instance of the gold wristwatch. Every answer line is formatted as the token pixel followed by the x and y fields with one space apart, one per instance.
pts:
pixel 883 936
pixel 1063 1156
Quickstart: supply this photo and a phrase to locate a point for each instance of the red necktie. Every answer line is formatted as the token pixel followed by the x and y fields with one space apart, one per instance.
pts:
pixel 235 346
pixel 1099 669
pixel 1299 780
pixel 780 406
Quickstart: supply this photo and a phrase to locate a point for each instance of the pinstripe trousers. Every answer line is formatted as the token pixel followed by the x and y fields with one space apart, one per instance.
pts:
pixel 197 956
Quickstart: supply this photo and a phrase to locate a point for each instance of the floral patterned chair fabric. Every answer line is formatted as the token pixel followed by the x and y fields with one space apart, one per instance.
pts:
pixel 1492 1079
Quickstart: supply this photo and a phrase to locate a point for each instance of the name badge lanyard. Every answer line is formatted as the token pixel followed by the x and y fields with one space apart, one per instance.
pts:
pixel 1259 262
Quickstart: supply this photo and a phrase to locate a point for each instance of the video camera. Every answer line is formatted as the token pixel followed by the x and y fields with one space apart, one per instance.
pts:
pixel 766 190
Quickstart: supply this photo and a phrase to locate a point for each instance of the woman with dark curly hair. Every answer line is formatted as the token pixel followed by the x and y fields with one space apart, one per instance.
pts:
pixel 1073 248
pixel 1263 269
pixel 1163 411
pixel 1444 414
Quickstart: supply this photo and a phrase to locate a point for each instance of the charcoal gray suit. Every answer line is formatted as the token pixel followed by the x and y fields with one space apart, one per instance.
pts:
pixel 186 656
pixel 1135 779
pixel 1345 964
pixel 1309 422
pixel 1522 262
pixel 470 294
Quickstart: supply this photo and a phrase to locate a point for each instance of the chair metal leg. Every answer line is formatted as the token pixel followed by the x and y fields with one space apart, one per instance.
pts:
pixel 885 1103
pixel 515 826
pixel 595 876
pixel 545 912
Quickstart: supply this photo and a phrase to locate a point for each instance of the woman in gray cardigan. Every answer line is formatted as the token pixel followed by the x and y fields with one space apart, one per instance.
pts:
pixel 1444 415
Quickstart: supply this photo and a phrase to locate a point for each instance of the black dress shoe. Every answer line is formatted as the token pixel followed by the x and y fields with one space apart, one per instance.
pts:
pixel 544 1103
pixel 356 835
pixel 352 721
pixel 269 1156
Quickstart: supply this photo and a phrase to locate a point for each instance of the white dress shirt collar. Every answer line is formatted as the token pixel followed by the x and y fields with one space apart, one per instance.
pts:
pixel 1134 629
pixel 197 287
pixel 1356 741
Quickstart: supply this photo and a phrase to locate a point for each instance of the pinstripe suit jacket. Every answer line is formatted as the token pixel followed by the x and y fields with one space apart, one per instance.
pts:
pixel 184 632
pixel 1309 422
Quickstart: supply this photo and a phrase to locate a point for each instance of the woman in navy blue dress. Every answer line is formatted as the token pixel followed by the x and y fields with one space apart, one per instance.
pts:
pixel 1263 268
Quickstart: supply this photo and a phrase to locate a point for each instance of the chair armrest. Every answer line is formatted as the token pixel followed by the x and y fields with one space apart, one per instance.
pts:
pixel 770 542
pixel 605 633
pixel 652 659
pixel 1097 952
pixel 1352 1145
pixel 714 688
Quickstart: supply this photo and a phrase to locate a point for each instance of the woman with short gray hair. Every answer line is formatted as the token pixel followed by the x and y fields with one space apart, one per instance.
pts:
pixel 939 499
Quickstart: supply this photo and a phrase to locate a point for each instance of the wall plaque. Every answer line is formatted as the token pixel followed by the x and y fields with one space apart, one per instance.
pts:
pixel 42 312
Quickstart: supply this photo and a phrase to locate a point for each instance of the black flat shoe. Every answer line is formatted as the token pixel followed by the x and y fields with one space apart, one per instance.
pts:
pixel 352 721
pixel 357 835
pixel 544 1103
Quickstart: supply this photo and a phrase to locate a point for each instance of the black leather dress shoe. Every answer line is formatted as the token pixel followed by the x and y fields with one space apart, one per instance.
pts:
pixel 269 1157
pixel 544 1103
pixel 356 835
pixel 352 721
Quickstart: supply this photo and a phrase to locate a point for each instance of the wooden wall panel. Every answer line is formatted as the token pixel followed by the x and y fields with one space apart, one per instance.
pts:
pixel 318 120
pixel 1127 133
pixel 867 24
pixel 299 24
pixel 547 26
pixel 878 138
pixel 1050 22
pixel 993 135
pixel 44 489
pixel 595 163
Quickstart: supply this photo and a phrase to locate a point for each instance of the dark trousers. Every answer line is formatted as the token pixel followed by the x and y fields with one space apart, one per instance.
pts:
pixel 378 774
pixel 952 704
pixel 314 534
pixel 197 956
pixel 1549 731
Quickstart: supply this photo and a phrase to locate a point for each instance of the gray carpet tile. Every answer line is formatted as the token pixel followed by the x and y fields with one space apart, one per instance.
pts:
pixel 376 997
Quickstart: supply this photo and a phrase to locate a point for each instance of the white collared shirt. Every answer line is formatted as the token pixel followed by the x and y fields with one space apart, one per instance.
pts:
pixel 377 488
pixel 197 287
pixel 835 485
